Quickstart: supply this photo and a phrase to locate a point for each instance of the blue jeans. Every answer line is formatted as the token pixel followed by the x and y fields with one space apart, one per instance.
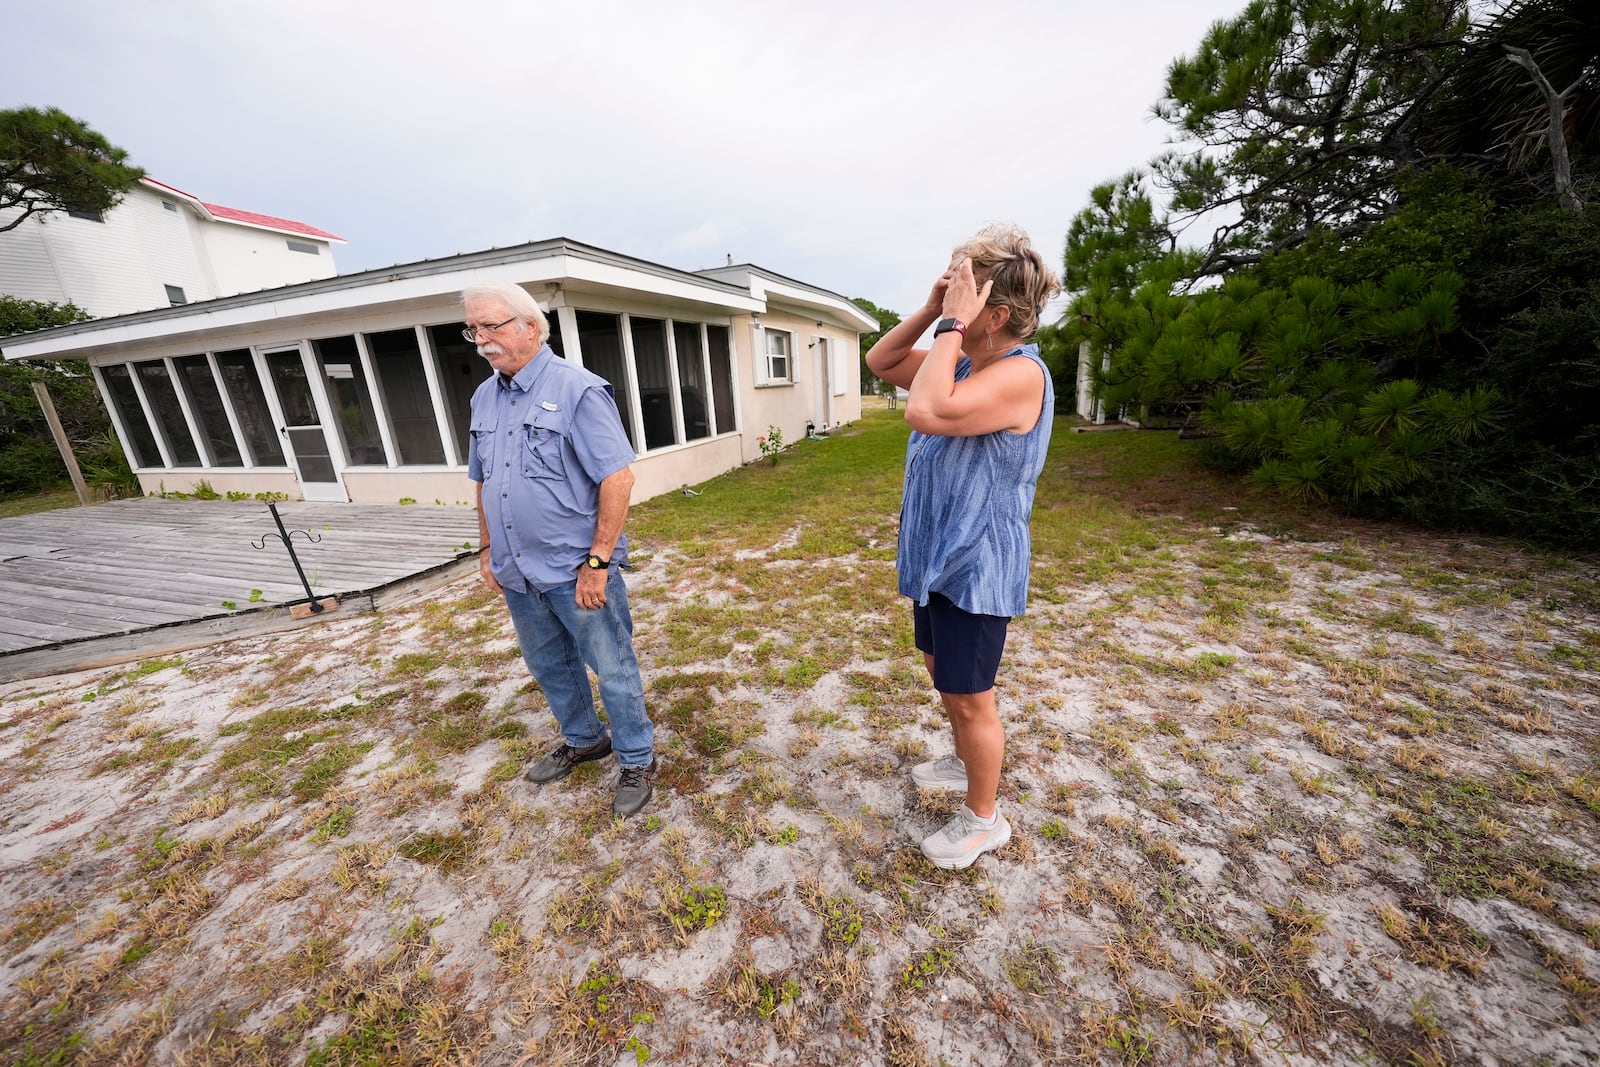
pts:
pixel 559 638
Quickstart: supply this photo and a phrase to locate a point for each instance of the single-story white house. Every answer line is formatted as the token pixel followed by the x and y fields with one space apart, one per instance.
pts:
pixel 158 247
pixel 356 387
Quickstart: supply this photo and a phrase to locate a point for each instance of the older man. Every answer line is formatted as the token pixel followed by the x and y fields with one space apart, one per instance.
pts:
pixel 552 465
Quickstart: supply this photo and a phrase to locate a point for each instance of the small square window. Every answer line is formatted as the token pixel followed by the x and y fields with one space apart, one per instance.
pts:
pixel 175 295
pixel 88 216
pixel 304 246
pixel 169 205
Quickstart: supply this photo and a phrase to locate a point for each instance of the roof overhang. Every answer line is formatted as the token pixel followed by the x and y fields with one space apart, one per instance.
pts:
pixel 424 283
pixel 764 285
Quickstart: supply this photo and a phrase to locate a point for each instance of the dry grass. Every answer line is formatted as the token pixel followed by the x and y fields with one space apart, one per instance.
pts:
pixel 1285 788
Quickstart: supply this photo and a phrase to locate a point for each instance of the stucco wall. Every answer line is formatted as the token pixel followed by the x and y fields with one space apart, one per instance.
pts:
pixel 790 406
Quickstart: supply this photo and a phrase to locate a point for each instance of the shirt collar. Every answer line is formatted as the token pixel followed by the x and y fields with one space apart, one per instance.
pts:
pixel 530 373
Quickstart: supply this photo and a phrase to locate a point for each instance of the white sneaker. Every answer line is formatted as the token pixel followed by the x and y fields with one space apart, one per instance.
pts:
pixel 965 838
pixel 946 772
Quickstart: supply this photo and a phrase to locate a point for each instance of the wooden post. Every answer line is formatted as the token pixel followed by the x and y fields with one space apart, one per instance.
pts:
pixel 62 444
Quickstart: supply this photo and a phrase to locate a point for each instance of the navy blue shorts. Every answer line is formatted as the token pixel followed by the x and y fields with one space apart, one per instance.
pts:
pixel 965 647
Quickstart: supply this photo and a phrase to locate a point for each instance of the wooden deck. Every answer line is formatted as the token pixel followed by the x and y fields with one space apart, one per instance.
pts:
pixel 78 584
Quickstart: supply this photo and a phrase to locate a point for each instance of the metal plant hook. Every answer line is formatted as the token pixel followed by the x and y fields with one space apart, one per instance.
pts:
pixel 287 536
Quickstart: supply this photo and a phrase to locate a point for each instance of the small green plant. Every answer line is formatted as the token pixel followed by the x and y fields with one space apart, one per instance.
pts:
pixel 256 596
pixel 703 906
pixel 271 496
pixel 230 604
pixel 771 444
pixel 408 500
pixel 1211 665
pixel 337 824
pixel 150 666
pixel 237 495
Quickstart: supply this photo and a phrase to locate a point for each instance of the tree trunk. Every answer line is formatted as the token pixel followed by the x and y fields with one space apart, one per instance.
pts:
pixel 1560 162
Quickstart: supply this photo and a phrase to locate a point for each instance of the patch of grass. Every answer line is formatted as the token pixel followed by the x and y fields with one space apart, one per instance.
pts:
pixel 448 851
pixel 151 666
pixel 1032 967
pixel 324 770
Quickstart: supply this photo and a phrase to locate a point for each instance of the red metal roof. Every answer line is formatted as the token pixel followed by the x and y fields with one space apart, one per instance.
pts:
pixel 271 222
pixel 251 218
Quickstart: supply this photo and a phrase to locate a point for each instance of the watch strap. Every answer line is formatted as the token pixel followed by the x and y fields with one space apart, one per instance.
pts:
pixel 949 325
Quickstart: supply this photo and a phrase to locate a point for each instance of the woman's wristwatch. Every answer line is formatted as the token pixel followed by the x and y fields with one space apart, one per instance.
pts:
pixel 948 325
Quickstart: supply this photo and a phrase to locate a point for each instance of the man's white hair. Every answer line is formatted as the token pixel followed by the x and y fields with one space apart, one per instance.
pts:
pixel 516 300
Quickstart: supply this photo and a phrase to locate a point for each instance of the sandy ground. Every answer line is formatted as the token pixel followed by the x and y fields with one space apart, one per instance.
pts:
pixel 1275 800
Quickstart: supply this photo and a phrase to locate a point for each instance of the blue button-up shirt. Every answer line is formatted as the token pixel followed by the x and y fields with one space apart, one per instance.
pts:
pixel 542 442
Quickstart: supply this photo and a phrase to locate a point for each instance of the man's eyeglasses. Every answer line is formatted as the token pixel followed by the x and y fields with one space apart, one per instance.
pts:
pixel 471 332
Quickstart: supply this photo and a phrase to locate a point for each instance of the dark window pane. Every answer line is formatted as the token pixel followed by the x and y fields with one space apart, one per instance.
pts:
pixel 243 384
pixel 294 389
pixel 397 364
pixel 600 337
pixel 691 380
pixel 461 370
pixel 655 382
pixel 353 412
pixel 721 377
pixel 194 375
pixel 163 400
pixel 554 340
pixel 141 442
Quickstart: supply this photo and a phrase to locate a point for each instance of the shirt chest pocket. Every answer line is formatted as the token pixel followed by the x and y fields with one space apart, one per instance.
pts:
pixel 544 439
pixel 481 434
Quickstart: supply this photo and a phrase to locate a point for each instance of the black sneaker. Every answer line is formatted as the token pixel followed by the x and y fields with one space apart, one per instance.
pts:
pixel 559 763
pixel 634 787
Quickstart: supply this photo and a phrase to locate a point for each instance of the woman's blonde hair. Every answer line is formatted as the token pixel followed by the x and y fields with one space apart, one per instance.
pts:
pixel 1002 253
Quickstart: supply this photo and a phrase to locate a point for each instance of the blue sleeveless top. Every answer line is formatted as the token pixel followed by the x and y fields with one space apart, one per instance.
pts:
pixel 964 520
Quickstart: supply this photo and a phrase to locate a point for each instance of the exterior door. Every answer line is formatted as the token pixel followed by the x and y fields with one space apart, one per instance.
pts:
pixel 302 428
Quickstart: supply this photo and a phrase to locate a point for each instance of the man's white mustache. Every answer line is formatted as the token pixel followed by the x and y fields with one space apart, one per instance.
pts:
pixel 491 349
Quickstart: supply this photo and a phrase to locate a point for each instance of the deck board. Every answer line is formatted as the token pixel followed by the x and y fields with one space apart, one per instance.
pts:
pixel 124 566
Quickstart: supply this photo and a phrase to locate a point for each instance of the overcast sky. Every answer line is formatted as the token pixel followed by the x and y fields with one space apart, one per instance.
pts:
pixel 845 144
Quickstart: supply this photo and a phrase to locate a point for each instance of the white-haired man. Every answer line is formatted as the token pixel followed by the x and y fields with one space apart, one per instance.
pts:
pixel 552 463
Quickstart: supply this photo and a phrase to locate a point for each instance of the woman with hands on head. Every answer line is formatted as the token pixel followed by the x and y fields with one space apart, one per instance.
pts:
pixel 980 409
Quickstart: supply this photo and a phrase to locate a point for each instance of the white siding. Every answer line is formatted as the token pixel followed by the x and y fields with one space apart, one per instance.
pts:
pixel 169 247
pixel 25 267
pixel 247 259
pixel 125 263
pixel 101 265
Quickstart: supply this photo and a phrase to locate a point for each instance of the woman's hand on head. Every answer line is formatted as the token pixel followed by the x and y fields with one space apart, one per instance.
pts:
pixel 963 299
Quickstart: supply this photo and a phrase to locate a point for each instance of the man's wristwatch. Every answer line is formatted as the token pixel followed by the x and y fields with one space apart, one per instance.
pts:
pixel 946 325
pixel 595 563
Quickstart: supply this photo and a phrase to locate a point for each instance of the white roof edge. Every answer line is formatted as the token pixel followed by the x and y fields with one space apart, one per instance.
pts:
pixel 773 290
pixel 554 264
pixel 766 285
pixel 301 234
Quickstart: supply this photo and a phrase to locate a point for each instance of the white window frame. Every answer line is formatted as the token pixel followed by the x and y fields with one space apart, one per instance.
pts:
pixel 765 356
